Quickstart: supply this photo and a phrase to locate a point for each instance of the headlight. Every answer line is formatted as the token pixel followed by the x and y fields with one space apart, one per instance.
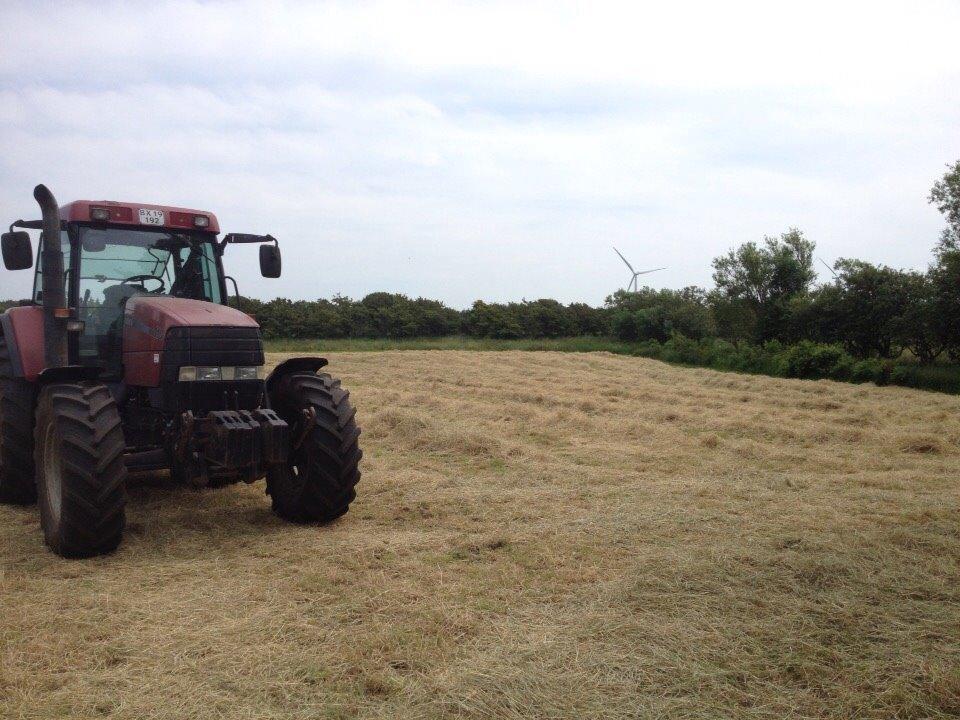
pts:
pixel 253 372
pixel 190 373
pixel 209 373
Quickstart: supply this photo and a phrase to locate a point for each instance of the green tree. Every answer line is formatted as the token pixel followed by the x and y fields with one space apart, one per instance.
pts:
pixel 657 314
pixel 945 194
pixel 587 320
pixel 945 278
pixel 945 273
pixel 545 319
pixel 493 320
pixel 919 325
pixel 765 277
pixel 818 316
pixel 871 305
pixel 355 316
pixel 734 318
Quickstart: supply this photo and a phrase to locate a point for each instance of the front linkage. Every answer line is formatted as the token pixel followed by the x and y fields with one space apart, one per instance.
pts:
pixel 241 444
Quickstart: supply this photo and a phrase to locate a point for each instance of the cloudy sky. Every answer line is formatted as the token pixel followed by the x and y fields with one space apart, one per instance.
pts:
pixel 484 150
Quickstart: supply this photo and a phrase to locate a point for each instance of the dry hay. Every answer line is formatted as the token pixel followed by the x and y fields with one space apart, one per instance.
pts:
pixel 537 535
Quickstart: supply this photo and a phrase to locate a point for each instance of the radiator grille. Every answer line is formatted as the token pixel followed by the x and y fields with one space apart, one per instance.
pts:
pixel 211 346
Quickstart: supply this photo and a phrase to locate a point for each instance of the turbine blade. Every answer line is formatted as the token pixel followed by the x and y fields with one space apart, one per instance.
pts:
pixel 644 272
pixel 832 271
pixel 624 259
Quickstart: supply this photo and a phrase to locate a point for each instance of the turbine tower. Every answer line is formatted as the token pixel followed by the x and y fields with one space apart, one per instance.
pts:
pixel 632 285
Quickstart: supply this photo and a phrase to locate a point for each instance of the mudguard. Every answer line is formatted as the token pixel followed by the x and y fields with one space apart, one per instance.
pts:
pixel 69 374
pixel 23 330
pixel 294 365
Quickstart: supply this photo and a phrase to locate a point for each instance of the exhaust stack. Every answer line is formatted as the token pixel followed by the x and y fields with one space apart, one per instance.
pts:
pixel 54 297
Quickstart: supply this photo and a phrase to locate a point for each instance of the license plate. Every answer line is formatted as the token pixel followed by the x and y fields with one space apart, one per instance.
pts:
pixel 151 217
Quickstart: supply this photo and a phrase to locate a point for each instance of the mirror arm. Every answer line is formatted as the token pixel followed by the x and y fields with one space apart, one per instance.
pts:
pixel 33 224
pixel 245 238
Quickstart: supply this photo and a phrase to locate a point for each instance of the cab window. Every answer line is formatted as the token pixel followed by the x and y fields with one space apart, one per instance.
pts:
pixel 116 264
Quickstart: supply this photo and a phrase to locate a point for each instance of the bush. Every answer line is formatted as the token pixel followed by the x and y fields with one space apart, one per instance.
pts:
pixel 902 375
pixel 805 359
pixel 811 360
pixel 759 360
pixel 870 370
pixel 681 349
pixel 649 349
pixel 941 378
pixel 720 354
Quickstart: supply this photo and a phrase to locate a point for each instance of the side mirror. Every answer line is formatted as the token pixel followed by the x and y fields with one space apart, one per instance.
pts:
pixel 18 253
pixel 269 261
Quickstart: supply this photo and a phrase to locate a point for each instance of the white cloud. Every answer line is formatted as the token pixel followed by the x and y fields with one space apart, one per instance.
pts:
pixel 490 150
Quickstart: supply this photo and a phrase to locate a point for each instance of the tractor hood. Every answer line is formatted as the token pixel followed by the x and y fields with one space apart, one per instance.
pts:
pixel 148 319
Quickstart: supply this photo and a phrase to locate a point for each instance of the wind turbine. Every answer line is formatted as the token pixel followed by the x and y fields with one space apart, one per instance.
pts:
pixel 632 285
pixel 827 266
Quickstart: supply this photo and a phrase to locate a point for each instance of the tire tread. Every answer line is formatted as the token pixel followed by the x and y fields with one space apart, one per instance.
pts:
pixel 93 471
pixel 330 453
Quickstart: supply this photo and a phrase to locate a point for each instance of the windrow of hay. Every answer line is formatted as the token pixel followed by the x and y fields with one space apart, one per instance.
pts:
pixel 536 535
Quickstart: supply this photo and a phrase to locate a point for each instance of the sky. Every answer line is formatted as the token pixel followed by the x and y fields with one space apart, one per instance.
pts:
pixel 486 150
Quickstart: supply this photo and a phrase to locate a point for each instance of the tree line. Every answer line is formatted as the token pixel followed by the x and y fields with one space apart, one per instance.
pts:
pixel 764 292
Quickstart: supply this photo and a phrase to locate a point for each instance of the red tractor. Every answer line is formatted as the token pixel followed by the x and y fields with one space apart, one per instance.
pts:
pixel 129 359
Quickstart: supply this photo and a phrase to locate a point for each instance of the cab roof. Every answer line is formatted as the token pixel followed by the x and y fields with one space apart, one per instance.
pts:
pixel 128 213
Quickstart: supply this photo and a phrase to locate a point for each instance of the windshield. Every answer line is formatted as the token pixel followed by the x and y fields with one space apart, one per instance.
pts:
pixel 117 264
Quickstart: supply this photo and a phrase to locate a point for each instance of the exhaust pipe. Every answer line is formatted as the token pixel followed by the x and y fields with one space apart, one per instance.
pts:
pixel 54 297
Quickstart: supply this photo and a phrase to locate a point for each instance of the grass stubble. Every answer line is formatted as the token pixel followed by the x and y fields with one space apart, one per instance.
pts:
pixel 536 535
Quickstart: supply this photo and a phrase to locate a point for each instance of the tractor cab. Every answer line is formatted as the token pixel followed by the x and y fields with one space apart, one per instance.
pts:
pixel 112 252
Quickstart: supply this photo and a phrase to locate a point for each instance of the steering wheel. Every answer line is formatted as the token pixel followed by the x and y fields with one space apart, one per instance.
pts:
pixel 143 278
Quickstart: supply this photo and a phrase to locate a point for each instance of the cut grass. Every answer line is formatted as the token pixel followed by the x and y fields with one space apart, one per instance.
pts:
pixel 942 377
pixel 536 535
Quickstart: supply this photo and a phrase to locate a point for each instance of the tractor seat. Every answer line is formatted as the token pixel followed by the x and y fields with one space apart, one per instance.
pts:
pixel 117 295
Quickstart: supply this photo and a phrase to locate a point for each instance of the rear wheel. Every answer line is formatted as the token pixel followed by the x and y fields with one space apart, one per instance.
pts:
pixel 318 481
pixel 81 474
pixel 17 399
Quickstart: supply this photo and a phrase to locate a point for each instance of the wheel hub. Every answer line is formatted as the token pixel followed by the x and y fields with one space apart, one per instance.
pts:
pixel 52 472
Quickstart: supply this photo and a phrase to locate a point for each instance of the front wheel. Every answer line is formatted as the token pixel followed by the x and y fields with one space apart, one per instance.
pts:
pixel 318 481
pixel 81 472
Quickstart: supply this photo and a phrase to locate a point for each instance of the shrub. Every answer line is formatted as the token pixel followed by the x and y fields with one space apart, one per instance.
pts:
pixel 679 348
pixel 720 354
pixel 869 370
pixel 648 348
pixel 808 359
pixel 903 375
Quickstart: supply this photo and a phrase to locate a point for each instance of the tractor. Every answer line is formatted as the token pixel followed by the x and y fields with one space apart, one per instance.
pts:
pixel 129 358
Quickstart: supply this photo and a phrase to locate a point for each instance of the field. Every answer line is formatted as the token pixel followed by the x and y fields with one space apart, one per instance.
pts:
pixel 905 371
pixel 537 535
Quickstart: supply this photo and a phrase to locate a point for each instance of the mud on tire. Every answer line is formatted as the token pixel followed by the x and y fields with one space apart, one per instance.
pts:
pixel 17 399
pixel 81 474
pixel 318 482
